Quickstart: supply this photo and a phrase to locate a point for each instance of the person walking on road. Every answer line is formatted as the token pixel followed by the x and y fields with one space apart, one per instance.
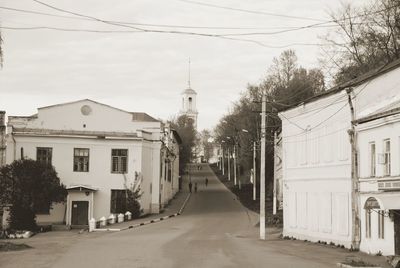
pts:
pixel 190 186
pixel 195 187
pixel 206 181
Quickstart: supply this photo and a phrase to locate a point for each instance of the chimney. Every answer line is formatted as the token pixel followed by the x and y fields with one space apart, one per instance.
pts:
pixel 2 138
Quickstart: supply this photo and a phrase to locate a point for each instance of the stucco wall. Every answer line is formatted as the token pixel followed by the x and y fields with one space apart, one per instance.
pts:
pixel 99 175
pixel 316 171
pixel 69 117
pixel 374 244
pixel 377 131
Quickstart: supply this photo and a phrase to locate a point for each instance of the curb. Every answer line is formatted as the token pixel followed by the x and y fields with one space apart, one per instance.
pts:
pixel 146 222
pixel 339 264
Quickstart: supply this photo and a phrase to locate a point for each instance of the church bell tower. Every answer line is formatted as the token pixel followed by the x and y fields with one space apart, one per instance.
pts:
pixel 189 103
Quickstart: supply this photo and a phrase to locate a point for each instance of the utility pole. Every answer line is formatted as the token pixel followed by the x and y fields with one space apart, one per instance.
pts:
pixel 223 161
pixel 234 164
pixel 262 171
pixel 254 171
pixel 354 177
pixel 275 186
pixel 229 165
pixel 220 156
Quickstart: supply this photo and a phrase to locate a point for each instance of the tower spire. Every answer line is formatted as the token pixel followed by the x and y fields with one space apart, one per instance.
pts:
pixel 189 74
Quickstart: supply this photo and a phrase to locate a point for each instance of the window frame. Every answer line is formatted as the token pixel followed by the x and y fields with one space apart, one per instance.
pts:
pixel 387 155
pixel 117 200
pixel 119 158
pixel 368 223
pixel 381 224
pixel 48 159
pixel 372 159
pixel 84 157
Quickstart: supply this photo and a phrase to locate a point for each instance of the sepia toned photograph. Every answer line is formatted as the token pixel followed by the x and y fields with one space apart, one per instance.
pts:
pixel 199 133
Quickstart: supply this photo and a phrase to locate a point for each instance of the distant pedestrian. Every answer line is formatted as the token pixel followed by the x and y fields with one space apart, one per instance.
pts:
pixel 190 186
pixel 206 181
pixel 195 187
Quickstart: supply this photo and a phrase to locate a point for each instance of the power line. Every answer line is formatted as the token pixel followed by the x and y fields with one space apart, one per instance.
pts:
pixel 222 36
pixel 65 29
pixel 159 25
pixel 249 11
pixel 32 28
pixel 336 112
pixel 316 24
pixel 122 24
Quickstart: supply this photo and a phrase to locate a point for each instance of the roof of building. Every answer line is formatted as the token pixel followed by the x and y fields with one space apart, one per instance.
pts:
pixel 189 91
pixel 82 187
pixel 136 116
pixel 353 82
pixel 54 132
pixel 389 110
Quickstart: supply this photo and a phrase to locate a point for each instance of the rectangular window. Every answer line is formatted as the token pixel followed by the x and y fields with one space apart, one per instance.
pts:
pixel 44 155
pixel 119 160
pixel 81 160
pixel 386 148
pixel 118 201
pixel 372 159
pixel 368 223
pixel 381 224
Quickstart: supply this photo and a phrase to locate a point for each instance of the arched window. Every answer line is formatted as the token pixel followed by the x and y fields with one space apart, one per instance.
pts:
pixel 190 103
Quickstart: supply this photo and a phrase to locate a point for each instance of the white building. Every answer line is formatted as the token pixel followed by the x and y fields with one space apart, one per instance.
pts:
pixel 379 150
pixel 98 152
pixel 319 175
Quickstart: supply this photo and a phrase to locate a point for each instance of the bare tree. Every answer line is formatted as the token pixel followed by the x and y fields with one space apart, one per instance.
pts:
pixel 365 38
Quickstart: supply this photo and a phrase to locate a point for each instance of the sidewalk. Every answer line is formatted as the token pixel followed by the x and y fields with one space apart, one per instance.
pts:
pixel 173 209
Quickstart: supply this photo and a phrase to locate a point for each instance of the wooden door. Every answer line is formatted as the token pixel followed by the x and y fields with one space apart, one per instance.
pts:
pixel 80 210
pixel 396 222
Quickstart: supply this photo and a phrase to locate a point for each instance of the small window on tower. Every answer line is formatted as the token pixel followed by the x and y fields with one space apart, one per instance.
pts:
pixel 190 103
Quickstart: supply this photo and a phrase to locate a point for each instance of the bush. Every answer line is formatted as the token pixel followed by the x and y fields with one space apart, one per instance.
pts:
pixel 133 205
pixel 29 186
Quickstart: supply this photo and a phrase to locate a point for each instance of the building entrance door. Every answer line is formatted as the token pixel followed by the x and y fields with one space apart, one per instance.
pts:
pixel 80 212
pixel 396 223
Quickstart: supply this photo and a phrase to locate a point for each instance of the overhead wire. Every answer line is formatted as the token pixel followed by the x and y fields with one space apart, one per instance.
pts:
pixel 145 30
pixel 258 12
pixel 122 24
pixel 160 25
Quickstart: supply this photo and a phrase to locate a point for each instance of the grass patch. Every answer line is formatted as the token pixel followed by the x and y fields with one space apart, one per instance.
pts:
pixel 8 246
pixel 245 196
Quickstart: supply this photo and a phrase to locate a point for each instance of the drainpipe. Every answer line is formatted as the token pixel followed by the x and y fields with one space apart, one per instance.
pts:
pixel 356 237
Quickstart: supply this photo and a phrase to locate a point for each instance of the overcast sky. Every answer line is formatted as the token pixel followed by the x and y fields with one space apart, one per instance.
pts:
pixel 146 72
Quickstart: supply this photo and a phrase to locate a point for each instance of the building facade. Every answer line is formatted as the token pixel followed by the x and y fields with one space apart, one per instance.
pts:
pixel 319 161
pixel 379 151
pixel 98 152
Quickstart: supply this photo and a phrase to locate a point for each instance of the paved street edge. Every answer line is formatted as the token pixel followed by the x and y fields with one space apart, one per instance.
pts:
pixel 147 222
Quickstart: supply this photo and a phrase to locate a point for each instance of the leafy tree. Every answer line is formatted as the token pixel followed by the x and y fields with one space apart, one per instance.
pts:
pixel 286 84
pixel 206 144
pixel 365 39
pixel 185 128
pixel 29 186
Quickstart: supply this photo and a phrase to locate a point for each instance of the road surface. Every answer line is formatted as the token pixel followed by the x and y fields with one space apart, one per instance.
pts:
pixel 215 230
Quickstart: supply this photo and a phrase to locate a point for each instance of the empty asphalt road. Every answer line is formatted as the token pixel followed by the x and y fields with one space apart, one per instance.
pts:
pixel 215 230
